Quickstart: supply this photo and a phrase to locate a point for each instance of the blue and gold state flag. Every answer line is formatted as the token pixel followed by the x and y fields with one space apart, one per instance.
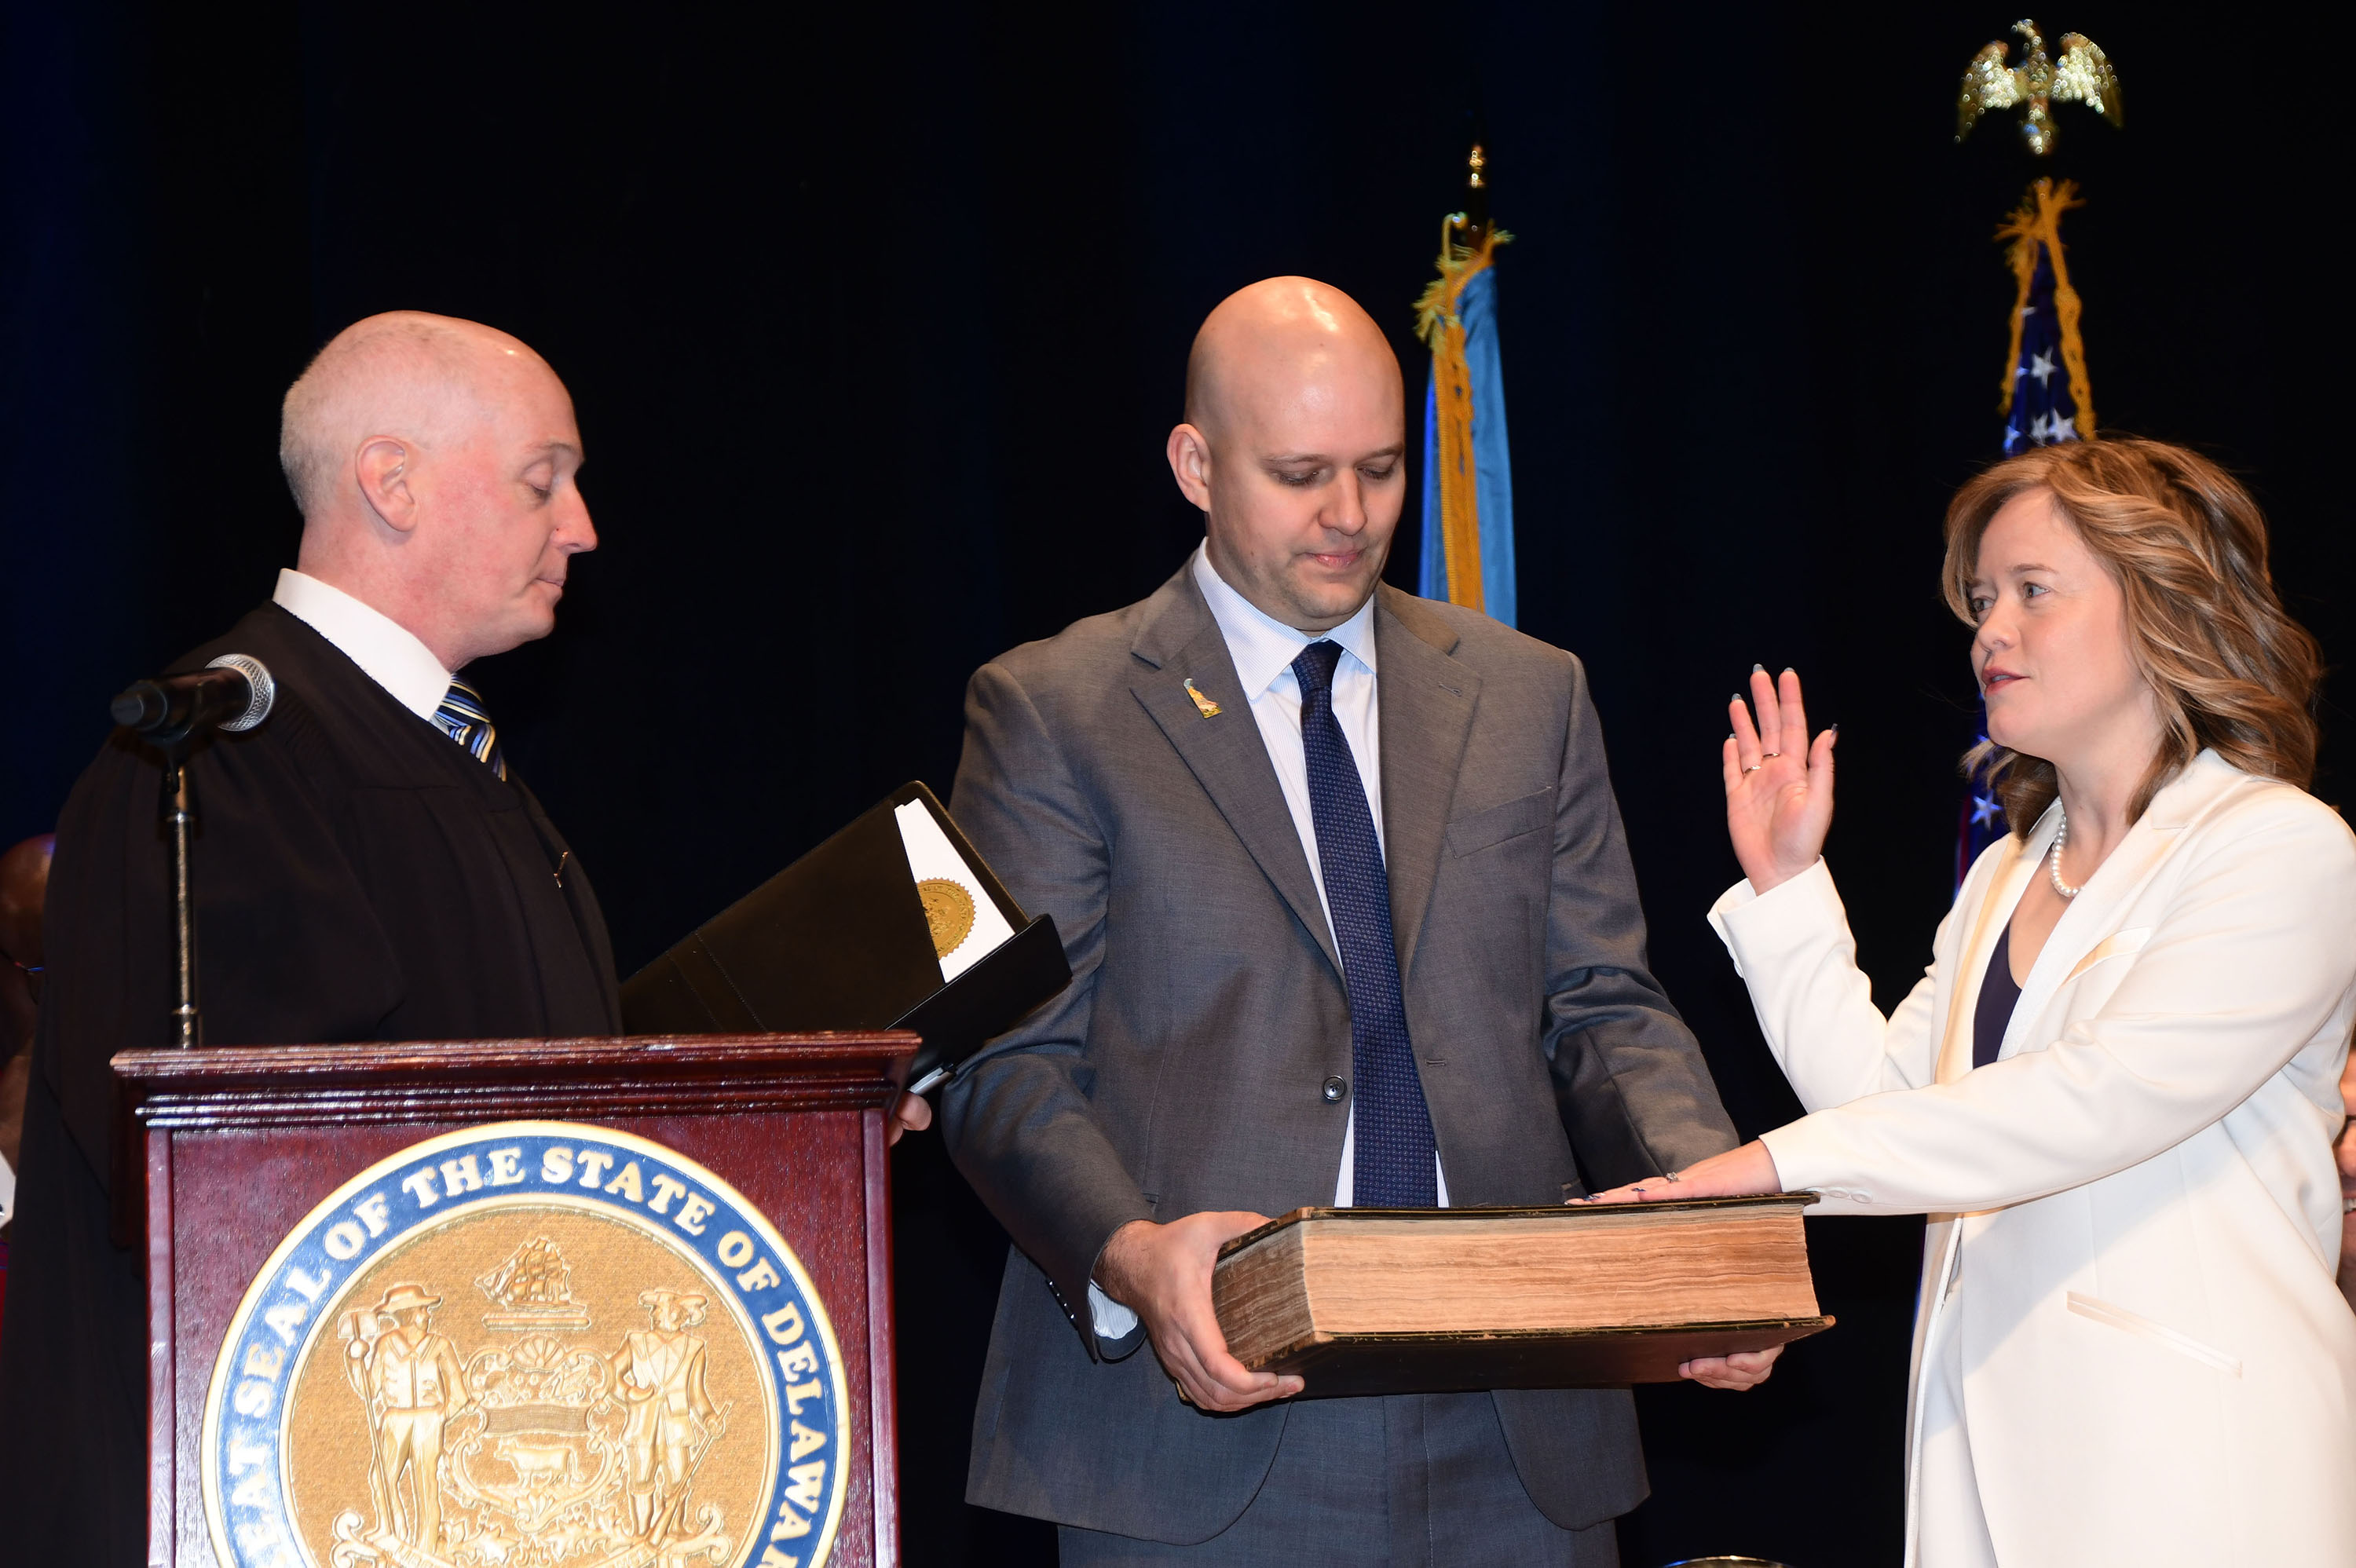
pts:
pixel 1468 471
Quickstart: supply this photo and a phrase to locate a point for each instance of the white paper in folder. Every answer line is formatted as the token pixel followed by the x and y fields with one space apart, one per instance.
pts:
pixel 967 926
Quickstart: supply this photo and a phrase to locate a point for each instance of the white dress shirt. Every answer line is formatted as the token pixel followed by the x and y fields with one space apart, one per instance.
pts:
pixel 1263 649
pixel 387 652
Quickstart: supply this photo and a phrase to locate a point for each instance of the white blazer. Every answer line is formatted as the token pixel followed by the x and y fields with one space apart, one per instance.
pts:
pixel 2157 1365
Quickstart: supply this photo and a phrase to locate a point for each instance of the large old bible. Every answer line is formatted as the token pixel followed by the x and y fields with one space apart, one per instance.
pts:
pixel 894 923
pixel 1362 1301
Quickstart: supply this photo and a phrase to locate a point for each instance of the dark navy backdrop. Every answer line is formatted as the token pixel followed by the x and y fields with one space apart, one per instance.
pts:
pixel 876 316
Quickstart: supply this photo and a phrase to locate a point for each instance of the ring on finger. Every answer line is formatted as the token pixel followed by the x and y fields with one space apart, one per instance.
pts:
pixel 1755 767
pixel 1764 755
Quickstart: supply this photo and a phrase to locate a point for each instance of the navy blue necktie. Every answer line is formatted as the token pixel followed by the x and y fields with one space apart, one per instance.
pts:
pixel 1393 1166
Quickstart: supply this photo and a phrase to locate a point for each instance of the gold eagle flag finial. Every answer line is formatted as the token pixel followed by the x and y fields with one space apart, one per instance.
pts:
pixel 2083 75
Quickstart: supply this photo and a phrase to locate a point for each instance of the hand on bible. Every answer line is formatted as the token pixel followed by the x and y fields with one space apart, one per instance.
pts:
pixel 1779 787
pixel 1162 1273
pixel 1737 1173
pixel 914 1114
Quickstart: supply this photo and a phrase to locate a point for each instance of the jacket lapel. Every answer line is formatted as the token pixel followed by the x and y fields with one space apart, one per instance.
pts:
pixel 1178 643
pixel 2094 915
pixel 2006 885
pixel 1426 699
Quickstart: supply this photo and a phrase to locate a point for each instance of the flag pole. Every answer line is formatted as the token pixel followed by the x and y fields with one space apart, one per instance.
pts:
pixel 1470 226
pixel 1468 482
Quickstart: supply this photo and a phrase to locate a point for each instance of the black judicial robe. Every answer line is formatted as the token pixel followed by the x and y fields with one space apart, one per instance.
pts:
pixel 358 876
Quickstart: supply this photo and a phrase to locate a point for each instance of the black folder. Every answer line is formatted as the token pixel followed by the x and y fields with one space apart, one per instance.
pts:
pixel 840 940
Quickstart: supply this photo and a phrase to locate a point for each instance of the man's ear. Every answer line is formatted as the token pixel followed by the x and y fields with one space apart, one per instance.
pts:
pixel 382 465
pixel 1190 462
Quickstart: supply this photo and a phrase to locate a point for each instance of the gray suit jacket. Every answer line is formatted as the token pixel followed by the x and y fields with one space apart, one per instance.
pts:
pixel 1185 1068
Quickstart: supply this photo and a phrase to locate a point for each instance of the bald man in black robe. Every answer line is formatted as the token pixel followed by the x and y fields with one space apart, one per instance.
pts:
pixel 368 865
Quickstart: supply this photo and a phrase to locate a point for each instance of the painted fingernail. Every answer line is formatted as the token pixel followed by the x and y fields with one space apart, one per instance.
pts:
pixel 1759 669
pixel 1835 728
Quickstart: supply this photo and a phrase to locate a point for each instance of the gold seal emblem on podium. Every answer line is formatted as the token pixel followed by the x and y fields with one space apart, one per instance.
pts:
pixel 528 1345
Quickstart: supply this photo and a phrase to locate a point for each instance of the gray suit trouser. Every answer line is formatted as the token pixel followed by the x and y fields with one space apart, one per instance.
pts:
pixel 1406 1481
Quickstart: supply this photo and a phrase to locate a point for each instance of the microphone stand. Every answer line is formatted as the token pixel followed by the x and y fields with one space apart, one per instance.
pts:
pixel 234 692
pixel 179 836
pixel 128 1221
pixel 168 713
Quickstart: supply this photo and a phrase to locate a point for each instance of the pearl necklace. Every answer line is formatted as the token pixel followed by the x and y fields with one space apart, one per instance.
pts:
pixel 2061 837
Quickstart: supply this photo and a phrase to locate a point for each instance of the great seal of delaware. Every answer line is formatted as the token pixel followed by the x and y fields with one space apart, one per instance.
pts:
pixel 528 1345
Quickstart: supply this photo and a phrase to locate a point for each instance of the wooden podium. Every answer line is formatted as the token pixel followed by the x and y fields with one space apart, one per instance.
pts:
pixel 642 1378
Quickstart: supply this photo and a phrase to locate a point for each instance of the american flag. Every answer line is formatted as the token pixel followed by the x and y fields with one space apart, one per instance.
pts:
pixel 2042 413
pixel 1981 822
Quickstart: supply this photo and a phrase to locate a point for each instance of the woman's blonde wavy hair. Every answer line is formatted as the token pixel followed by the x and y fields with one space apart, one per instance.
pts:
pixel 2231 670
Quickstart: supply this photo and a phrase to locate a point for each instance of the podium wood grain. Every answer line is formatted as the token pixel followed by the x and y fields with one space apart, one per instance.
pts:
pixel 240 1143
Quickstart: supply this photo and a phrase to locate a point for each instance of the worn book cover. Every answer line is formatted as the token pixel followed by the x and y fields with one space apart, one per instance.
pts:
pixel 1362 1301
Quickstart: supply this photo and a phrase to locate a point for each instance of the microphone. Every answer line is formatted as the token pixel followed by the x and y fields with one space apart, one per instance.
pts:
pixel 233 692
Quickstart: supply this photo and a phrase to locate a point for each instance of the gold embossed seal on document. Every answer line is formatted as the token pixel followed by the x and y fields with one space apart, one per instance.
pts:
pixel 948 910
pixel 528 1345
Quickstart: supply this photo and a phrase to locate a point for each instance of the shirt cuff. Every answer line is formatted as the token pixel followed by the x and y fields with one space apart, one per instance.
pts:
pixel 1109 1318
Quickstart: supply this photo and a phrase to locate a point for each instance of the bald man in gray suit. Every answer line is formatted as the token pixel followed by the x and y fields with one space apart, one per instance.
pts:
pixel 1351 920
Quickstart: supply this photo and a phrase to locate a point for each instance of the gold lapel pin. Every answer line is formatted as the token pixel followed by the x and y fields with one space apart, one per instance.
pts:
pixel 1202 704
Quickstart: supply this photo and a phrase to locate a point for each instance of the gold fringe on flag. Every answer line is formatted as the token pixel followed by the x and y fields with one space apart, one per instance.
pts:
pixel 1438 325
pixel 2038 221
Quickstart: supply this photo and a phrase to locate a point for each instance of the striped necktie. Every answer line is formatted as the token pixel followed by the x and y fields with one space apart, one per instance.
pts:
pixel 461 717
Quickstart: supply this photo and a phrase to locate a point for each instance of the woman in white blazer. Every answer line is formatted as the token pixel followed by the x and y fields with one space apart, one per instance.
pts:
pixel 2115 1089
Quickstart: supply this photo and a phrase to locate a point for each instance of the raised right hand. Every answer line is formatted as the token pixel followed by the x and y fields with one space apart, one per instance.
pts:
pixel 1779 785
pixel 1162 1273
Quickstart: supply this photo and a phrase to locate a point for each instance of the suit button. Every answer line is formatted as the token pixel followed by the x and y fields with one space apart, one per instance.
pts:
pixel 1334 1089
